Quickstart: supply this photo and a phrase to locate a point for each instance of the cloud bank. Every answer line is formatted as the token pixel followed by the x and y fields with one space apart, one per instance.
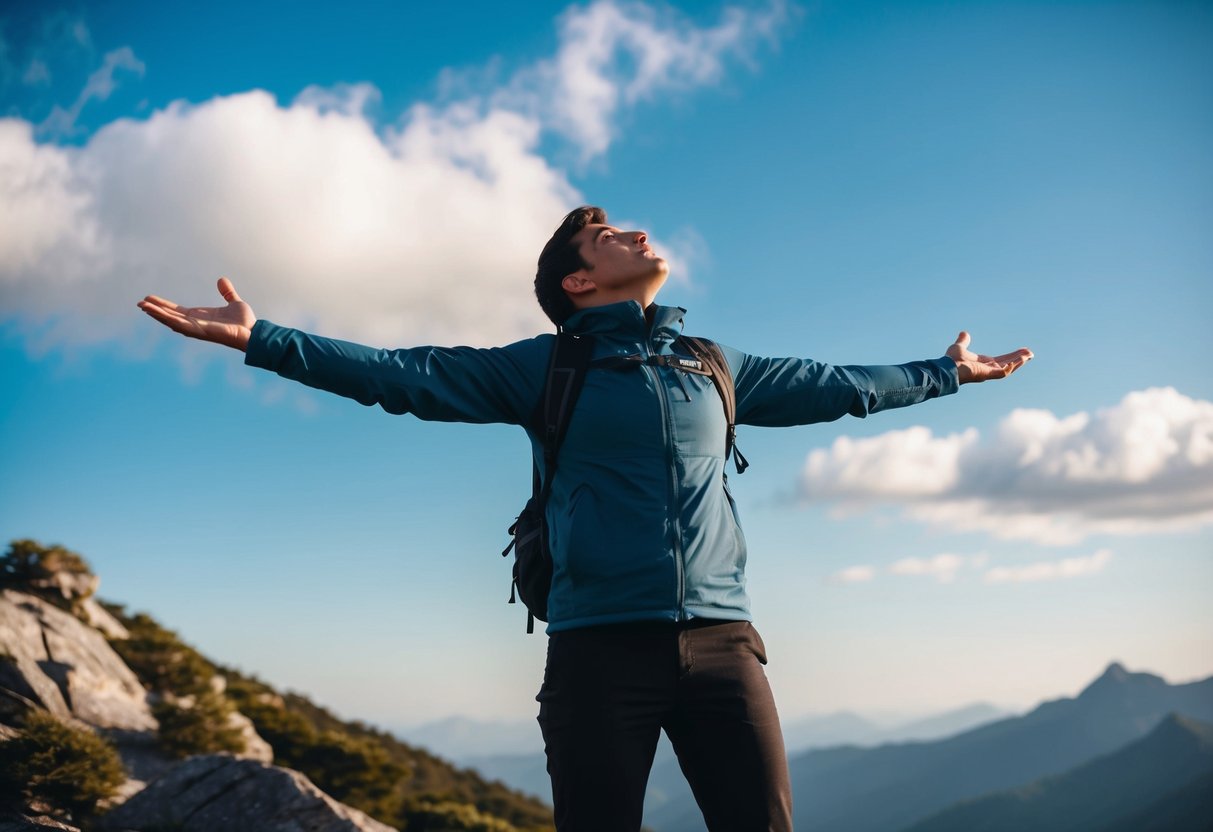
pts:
pixel 1143 465
pixel 1050 570
pixel 426 230
pixel 945 567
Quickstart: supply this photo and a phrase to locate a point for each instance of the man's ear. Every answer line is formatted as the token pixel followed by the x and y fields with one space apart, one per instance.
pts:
pixel 578 283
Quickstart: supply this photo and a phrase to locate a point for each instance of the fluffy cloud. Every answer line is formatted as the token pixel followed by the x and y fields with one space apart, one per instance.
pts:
pixel 1050 570
pixel 615 55
pixel 1145 464
pixel 426 230
pixel 944 568
pixel 853 575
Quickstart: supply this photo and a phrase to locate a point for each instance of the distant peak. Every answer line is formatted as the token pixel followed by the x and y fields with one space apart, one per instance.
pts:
pixel 1117 677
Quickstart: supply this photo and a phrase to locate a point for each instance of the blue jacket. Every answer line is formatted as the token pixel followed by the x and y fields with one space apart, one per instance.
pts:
pixel 642 523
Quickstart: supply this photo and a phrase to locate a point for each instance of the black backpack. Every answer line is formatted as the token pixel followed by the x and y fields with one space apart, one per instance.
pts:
pixel 570 361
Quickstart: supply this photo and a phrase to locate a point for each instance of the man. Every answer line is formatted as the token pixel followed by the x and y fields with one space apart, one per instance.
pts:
pixel 649 622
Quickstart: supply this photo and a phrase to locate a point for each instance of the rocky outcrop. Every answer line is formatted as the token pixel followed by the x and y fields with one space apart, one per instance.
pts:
pixel 97 616
pixel 16 822
pixel 255 748
pixel 219 791
pixel 71 583
pixel 51 659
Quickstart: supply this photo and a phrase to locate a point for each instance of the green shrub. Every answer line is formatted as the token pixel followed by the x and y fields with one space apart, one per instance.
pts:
pixel 202 728
pixel 68 768
pixel 28 566
pixel 161 660
pixel 448 816
pixel 28 560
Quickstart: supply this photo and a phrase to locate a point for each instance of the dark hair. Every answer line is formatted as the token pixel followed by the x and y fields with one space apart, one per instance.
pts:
pixel 560 258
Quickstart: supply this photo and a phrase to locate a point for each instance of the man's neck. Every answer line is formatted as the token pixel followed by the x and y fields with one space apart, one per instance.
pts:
pixel 599 298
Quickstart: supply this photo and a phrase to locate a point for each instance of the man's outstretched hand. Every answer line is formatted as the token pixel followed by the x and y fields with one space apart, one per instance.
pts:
pixel 229 325
pixel 971 367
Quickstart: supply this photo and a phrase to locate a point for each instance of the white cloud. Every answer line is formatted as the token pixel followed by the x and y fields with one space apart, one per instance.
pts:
pixel 1144 465
pixel 942 568
pixel 853 575
pixel 908 463
pixel 1050 570
pixel 424 231
pixel 100 85
pixel 617 54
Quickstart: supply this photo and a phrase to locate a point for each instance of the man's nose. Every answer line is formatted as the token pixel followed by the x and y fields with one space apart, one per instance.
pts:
pixel 641 237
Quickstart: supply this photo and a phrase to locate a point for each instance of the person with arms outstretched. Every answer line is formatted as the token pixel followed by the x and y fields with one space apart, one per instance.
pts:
pixel 649 624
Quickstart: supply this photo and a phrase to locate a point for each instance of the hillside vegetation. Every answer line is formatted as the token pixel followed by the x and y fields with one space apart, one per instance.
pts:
pixel 355 763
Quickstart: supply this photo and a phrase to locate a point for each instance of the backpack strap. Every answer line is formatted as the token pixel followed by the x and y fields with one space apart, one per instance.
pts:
pixel 566 376
pixel 713 360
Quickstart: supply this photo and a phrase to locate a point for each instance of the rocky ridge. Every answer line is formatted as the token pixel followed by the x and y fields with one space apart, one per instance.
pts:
pixel 111 700
pixel 61 661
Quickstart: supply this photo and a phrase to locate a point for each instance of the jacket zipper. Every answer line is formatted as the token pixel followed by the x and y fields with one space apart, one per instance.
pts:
pixel 668 438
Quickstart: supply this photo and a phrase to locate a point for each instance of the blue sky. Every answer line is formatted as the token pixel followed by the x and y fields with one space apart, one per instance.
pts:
pixel 853 182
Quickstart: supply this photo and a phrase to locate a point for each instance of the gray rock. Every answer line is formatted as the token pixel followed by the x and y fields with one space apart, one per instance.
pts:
pixel 222 792
pixel 52 659
pixel 67 583
pixel 255 748
pixel 16 822
pixel 97 616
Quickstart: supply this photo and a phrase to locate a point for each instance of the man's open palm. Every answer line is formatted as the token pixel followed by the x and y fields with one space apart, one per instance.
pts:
pixel 229 325
pixel 971 367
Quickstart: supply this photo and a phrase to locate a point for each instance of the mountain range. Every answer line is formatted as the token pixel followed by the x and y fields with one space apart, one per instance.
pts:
pixel 971 769
pixel 469 741
pixel 897 785
pixel 1130 789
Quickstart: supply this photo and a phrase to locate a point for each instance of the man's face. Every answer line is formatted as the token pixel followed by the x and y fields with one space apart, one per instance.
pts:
pixel 623 266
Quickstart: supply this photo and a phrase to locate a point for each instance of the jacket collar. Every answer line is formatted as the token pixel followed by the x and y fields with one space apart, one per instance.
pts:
pixel 627 320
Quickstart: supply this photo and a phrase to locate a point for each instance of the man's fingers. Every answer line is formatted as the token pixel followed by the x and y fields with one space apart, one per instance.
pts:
pixel 963 339
pixel 228 291
pixel 164 315
pixel 158 301
pixel 1022 354
pixel 173 320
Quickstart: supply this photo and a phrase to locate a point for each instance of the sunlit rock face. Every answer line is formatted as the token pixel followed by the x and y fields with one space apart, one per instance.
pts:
pixel 51 659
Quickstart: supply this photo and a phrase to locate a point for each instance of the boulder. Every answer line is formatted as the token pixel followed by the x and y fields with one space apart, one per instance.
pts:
pixel 220 791
pixel 51 659
pixel 18 822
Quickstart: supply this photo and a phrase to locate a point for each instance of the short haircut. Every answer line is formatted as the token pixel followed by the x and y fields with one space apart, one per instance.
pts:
pixel 560 258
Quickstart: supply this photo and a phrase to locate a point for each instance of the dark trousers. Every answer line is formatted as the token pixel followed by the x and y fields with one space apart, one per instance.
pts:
pixel 609 691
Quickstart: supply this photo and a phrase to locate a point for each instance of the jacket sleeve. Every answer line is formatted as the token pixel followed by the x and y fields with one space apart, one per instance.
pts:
pixel 445 384
pixel 777 392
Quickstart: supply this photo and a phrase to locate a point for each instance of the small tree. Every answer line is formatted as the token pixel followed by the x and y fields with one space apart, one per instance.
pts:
pixel 28 560
pixel 49 572
pixel 69 769
pixel 201 728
